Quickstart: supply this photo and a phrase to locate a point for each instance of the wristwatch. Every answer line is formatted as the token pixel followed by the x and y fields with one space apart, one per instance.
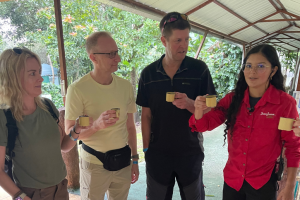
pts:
pixel 20 197
pixel 135 156
pixel 74 139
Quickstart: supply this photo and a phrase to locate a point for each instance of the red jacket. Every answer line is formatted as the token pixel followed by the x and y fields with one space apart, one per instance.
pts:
pixel 256 141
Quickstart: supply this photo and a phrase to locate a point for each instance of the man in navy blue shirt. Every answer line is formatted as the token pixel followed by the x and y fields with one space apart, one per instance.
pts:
pixel 171 149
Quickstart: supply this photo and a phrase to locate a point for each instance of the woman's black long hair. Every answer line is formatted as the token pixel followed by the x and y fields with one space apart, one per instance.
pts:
pixel 271 55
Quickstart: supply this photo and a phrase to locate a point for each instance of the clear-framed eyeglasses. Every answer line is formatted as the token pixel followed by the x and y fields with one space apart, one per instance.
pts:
pixel 259 68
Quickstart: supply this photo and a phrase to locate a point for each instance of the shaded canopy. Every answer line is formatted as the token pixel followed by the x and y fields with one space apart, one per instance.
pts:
pixel 247 23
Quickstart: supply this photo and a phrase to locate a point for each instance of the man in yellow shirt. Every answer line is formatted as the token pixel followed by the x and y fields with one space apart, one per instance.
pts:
pixel 105 156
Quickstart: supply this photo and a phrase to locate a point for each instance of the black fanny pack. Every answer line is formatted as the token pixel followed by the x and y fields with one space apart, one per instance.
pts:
pixel 113 160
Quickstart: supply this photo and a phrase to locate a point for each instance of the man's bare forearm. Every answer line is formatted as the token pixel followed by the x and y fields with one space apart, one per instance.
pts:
pixel 190 106
pixel 132 141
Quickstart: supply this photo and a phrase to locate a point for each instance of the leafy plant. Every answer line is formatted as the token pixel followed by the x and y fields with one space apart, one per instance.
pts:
pixel 55 92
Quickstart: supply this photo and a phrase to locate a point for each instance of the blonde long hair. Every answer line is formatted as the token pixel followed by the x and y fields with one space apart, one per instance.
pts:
pixel 11 90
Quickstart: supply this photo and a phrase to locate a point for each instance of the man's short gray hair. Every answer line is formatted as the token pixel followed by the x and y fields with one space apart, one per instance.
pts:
pixel 91 41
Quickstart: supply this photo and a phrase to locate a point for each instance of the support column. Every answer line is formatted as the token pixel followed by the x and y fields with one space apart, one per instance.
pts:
pixel 61 48
pixel 71 158
pixel 201 44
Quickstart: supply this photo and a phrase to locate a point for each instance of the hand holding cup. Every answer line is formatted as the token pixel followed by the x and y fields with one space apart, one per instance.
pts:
pixel 296 128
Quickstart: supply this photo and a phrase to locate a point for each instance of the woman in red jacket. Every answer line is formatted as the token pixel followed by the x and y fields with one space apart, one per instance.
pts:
pixel 251 114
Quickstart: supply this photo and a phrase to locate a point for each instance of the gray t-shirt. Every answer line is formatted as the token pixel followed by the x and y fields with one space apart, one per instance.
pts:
pixel 38 161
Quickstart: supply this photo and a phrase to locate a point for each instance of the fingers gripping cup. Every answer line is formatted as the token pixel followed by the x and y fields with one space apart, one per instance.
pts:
pixel 84 120
pixel 211 101
pixel 170 97
pixel 285 124
pixel 117 112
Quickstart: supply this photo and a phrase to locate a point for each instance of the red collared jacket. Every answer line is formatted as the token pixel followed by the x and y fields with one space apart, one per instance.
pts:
pixel 256 142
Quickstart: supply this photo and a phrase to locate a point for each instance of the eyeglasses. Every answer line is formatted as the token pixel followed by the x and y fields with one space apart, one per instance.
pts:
pixel 174 18
pixel 111 55
pixel 17 50
pixel 259 68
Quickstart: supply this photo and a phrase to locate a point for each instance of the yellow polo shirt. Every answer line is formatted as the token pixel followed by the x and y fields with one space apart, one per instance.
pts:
pixel 86 96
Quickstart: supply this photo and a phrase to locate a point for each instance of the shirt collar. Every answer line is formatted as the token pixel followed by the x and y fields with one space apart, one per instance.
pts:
pixel 271 95
pixel 160 68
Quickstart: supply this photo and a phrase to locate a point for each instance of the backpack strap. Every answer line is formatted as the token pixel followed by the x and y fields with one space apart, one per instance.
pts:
pixel 12 132
pixel 50 109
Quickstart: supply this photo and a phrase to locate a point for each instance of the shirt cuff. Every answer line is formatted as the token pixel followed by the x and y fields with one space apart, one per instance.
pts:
pixel 192 123
pixel 293 162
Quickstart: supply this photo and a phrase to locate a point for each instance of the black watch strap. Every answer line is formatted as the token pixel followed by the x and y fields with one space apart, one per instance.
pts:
pixel 74 130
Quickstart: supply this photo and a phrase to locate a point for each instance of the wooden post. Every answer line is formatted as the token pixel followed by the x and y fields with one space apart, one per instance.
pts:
pixel 61 48
pixel 201 44
pixel 244 51
pixel 297 70
pixel 71 158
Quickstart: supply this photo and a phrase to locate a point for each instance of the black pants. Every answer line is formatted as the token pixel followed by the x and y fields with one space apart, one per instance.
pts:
pixel 247 192
pixel 163 170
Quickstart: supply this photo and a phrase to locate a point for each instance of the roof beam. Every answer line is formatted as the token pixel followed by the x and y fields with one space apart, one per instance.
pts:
pixel 237 15
pixel 289 32
pixel 289 37
pixel 288 13
pixel 255 41
pixel 280 20
pixel 284 9
pixel 281 47
pixel 223 35
pixel 199 7
pixel 251 24
pixel 287 44
pixel 193 24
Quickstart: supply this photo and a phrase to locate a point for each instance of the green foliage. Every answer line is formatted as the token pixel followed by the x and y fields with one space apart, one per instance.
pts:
pixel 21 15
pixel 137 37
pixel 55 92
pixel 224 62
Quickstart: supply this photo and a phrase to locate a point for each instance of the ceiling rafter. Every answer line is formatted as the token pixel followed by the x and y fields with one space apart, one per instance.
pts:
pixel 255 41
pixel 280 20
pixel 237 15
pixel 283 8
pixel 287 43
pixel 251 24
pixel 199 7
pixel 290 37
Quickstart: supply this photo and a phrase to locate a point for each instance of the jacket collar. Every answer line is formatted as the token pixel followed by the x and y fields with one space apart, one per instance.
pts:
pixel 271 95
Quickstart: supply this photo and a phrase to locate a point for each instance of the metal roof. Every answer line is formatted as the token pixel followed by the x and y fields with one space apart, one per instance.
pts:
pixel 247 23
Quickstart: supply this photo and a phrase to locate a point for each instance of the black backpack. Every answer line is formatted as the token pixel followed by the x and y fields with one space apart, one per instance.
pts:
pixel 13 134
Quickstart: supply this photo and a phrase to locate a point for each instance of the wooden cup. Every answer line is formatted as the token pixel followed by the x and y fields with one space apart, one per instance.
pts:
pixel 170 97
pixel 84 121
pixel 286 124
pixel 211 101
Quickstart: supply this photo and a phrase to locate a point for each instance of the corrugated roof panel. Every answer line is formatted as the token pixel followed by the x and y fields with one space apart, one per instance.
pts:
pixel 281 36
pixel 249 34
pixel 292 6
pixel 174 5
pixel 215 17
pixel 289 47
pixel 250 10
pixel 295 43
pixel 272 26
pixel 295 35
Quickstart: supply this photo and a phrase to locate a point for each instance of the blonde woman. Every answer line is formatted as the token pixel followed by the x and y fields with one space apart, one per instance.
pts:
pixel 38 168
